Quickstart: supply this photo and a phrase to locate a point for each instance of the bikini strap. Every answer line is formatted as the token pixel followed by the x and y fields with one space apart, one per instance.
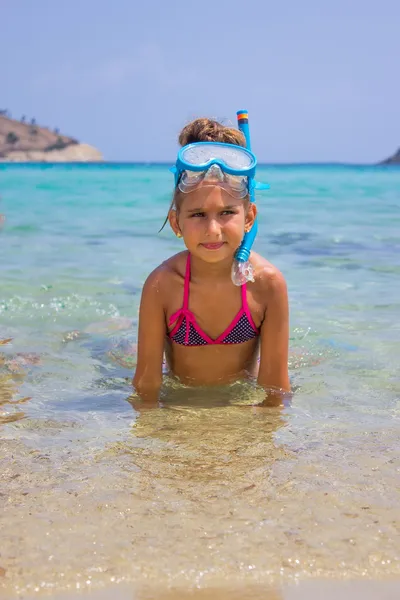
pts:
pixel 185 306
pixel 246 310
pixel 245 306
pixel 186 284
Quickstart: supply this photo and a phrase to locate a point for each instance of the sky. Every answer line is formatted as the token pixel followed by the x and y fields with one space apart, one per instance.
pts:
pixel 319 78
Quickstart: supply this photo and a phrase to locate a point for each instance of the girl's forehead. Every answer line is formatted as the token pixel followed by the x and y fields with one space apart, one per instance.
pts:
pixel 211 197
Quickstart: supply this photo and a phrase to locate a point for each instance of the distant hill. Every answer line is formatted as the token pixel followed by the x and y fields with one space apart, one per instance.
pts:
pixel 392 160
pixel 28 142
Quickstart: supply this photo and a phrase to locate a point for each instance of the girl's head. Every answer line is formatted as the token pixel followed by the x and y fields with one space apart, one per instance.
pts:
pixel 211 217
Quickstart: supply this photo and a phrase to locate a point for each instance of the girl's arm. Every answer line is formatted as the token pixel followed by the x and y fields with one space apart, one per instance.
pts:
pixel 273 373
pixel 152 329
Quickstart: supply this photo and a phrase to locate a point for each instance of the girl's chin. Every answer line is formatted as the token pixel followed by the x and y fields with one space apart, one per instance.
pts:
pixel 214 254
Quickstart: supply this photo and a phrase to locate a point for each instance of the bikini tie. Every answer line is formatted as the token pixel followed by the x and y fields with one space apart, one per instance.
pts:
pixel 186 314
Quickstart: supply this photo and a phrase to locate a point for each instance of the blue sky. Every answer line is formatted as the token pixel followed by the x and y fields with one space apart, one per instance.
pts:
pixel 320 79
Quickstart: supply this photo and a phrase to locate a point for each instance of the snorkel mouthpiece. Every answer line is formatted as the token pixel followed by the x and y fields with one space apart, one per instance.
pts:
pixel 242 271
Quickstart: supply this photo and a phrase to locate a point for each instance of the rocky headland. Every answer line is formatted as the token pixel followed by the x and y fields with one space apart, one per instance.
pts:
pixel 26 141
pixel 392 160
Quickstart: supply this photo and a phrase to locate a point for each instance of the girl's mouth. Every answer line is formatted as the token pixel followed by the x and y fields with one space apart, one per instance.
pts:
pixel 214 246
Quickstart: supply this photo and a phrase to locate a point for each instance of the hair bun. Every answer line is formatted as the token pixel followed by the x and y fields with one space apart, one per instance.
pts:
pixel 208 130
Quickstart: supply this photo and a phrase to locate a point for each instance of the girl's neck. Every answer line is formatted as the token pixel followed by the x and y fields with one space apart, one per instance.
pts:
pixel 199 269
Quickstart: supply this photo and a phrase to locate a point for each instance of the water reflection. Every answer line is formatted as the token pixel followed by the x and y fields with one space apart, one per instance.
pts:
pixel 13 371
pixel 205 444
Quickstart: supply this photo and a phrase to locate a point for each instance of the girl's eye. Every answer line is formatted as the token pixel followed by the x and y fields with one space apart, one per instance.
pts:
pixel 223 213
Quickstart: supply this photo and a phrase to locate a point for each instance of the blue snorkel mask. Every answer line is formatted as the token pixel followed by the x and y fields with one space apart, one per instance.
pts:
pixel 232 167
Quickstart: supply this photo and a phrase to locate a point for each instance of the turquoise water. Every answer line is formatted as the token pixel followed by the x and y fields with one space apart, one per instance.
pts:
pixel 321 477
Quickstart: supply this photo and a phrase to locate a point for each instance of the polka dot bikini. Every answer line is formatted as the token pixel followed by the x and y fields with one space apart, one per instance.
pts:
pixel 188 333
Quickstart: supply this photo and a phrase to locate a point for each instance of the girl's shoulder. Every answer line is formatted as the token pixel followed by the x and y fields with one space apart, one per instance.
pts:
pixel 168 271
pixel 267 277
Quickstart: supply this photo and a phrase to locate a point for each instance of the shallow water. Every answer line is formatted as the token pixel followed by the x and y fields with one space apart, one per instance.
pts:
pixel 206 490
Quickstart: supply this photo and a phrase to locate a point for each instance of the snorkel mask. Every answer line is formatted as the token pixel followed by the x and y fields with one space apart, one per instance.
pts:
pixel 231 167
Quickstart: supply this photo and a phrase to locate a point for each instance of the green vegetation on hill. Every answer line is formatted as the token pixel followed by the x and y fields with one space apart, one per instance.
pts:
pixel 17 136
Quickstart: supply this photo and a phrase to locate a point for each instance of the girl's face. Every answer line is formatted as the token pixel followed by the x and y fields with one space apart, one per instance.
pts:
pixel 212 222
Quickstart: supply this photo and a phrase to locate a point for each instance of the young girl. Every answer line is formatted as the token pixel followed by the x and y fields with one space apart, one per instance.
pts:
pixel 210 330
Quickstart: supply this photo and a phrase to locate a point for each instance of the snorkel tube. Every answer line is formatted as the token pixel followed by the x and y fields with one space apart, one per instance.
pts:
pixel 242 271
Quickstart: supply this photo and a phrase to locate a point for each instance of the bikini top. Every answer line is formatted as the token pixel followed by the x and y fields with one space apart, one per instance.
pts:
pixel 188 333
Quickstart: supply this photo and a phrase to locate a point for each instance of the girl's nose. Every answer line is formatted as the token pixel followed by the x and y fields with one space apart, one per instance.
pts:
pixel 213 227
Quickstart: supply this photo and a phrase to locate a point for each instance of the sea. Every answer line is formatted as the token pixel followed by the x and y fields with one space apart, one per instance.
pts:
pixel 208 495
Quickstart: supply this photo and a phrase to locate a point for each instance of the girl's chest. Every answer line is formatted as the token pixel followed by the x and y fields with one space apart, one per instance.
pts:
pixel 215 307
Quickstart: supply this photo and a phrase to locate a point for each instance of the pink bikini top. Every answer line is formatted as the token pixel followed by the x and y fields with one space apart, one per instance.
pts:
pixel 188 333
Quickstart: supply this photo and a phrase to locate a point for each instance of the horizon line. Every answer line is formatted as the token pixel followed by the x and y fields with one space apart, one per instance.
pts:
pixel 169 163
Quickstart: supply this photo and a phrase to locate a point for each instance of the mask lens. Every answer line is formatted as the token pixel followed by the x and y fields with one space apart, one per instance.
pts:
pixel 235 185
pixel 234 157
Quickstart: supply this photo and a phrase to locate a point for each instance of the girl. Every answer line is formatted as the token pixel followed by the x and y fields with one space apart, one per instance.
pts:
pixel 210 330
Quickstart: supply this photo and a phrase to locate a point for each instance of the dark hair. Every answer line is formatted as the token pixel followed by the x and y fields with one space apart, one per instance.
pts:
pixel 204 130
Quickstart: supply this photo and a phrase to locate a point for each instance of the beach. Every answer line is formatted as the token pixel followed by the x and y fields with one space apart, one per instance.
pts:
pixel 206 495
